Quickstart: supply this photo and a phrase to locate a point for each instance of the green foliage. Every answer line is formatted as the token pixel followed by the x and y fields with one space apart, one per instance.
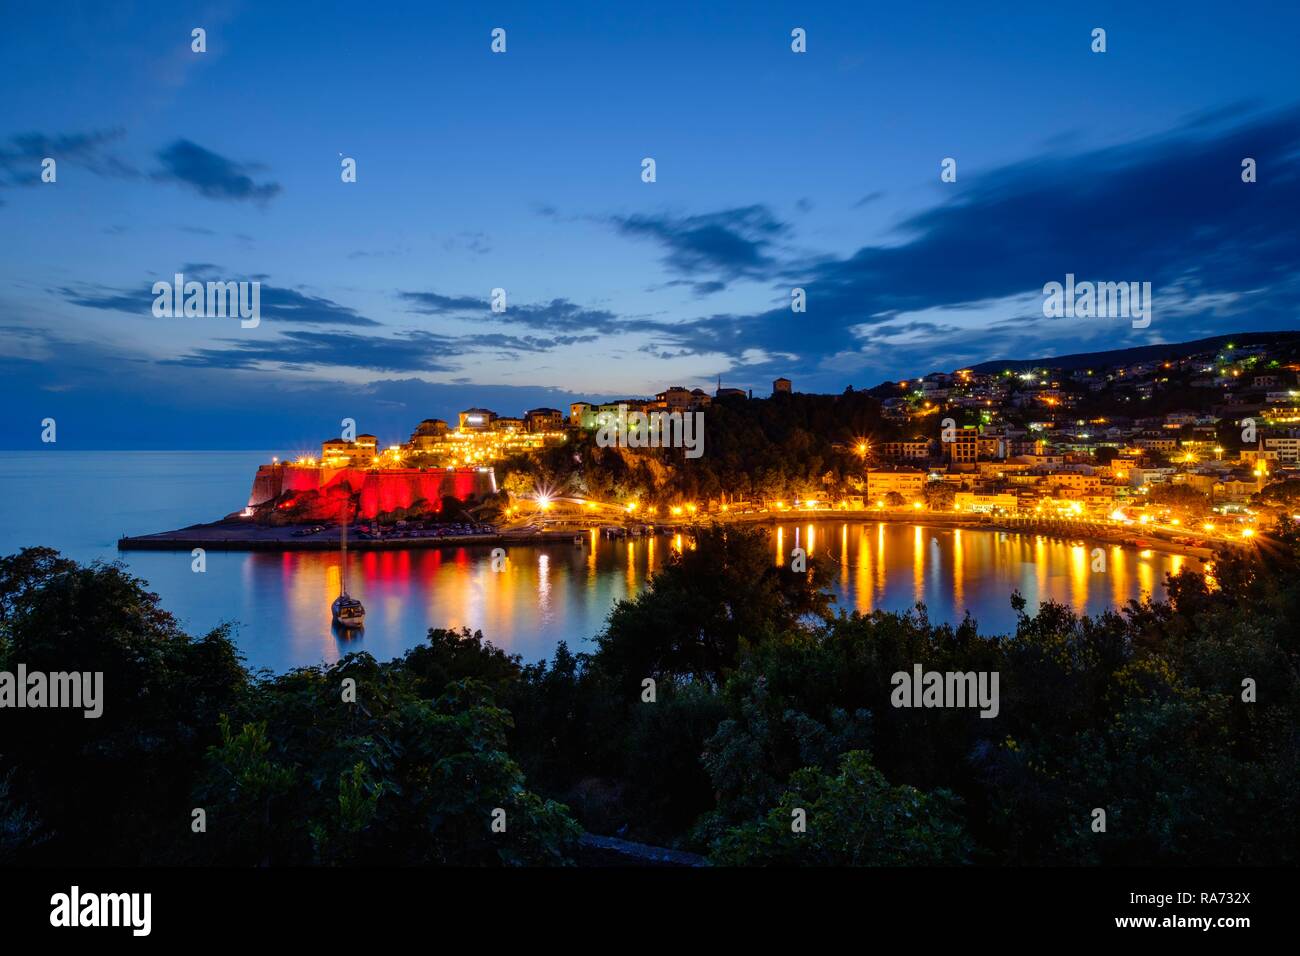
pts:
pixel 285 770
pixel 111 789
pixel 393 779
pixel 940 495
pixel 710 600
pixel 1285 492
pixel 456 655
pixel 1183 497
pixel 244 782
pixel 21 577
pixel 853 818
pixel 762 448
pixel 667 787
pixel 754 751
pixel 764 704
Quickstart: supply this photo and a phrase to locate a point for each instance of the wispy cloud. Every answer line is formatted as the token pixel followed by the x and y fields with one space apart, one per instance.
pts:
pixel 20 159
pixel 277 304
pixel 168 405
pixel 556 315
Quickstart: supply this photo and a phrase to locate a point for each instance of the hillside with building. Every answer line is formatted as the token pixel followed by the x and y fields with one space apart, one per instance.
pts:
pixel 1203 439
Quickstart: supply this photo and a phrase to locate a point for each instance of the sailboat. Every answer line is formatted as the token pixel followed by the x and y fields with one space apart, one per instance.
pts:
pixel 348 611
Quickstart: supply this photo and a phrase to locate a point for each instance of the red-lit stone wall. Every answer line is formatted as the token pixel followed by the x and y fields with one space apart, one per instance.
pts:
pixel 376 491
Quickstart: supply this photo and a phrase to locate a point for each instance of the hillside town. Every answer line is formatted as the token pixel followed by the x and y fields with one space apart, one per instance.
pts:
pixel 1204 444
pixel 1158 440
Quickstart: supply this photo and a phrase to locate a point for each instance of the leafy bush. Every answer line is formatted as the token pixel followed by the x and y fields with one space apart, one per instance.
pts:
pixel 853 817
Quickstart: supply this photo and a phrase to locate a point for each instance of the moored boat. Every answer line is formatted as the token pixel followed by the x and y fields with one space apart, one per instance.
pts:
pixel 348 611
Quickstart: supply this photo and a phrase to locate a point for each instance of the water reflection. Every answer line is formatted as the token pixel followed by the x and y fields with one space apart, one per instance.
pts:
pixel 564 591
pixel 958 568
pixel 892 566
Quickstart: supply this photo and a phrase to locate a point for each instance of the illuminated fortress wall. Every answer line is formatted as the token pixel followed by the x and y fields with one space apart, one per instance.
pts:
pixel 379 491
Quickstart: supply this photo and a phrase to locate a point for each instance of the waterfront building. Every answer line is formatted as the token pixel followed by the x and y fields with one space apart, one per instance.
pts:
pixel 910 484
pixel 477 419
pixel 985 504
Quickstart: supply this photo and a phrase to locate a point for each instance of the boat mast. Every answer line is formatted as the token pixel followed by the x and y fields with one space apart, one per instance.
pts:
pixel 343 558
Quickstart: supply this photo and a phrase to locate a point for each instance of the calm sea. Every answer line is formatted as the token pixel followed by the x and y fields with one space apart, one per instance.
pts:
pixel 81 502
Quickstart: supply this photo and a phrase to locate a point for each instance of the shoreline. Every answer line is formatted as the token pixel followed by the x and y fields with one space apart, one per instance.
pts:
pixel 241 535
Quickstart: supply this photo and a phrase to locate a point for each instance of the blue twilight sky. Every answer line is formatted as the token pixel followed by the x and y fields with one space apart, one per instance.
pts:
pixel 522 171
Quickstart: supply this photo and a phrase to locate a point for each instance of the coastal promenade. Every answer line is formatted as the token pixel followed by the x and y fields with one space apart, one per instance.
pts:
pixel 1066 529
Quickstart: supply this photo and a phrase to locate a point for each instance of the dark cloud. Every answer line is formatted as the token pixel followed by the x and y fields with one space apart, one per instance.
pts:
pixel 301 349
pixel 201 271
pixel 563 314
pixel 701 289
pixel 722 246
pixel 211 175
pixel 289 305
pixel 509 344
pixel 132 303
pixel 412 351
pixel 433 303
pixel 1171 210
